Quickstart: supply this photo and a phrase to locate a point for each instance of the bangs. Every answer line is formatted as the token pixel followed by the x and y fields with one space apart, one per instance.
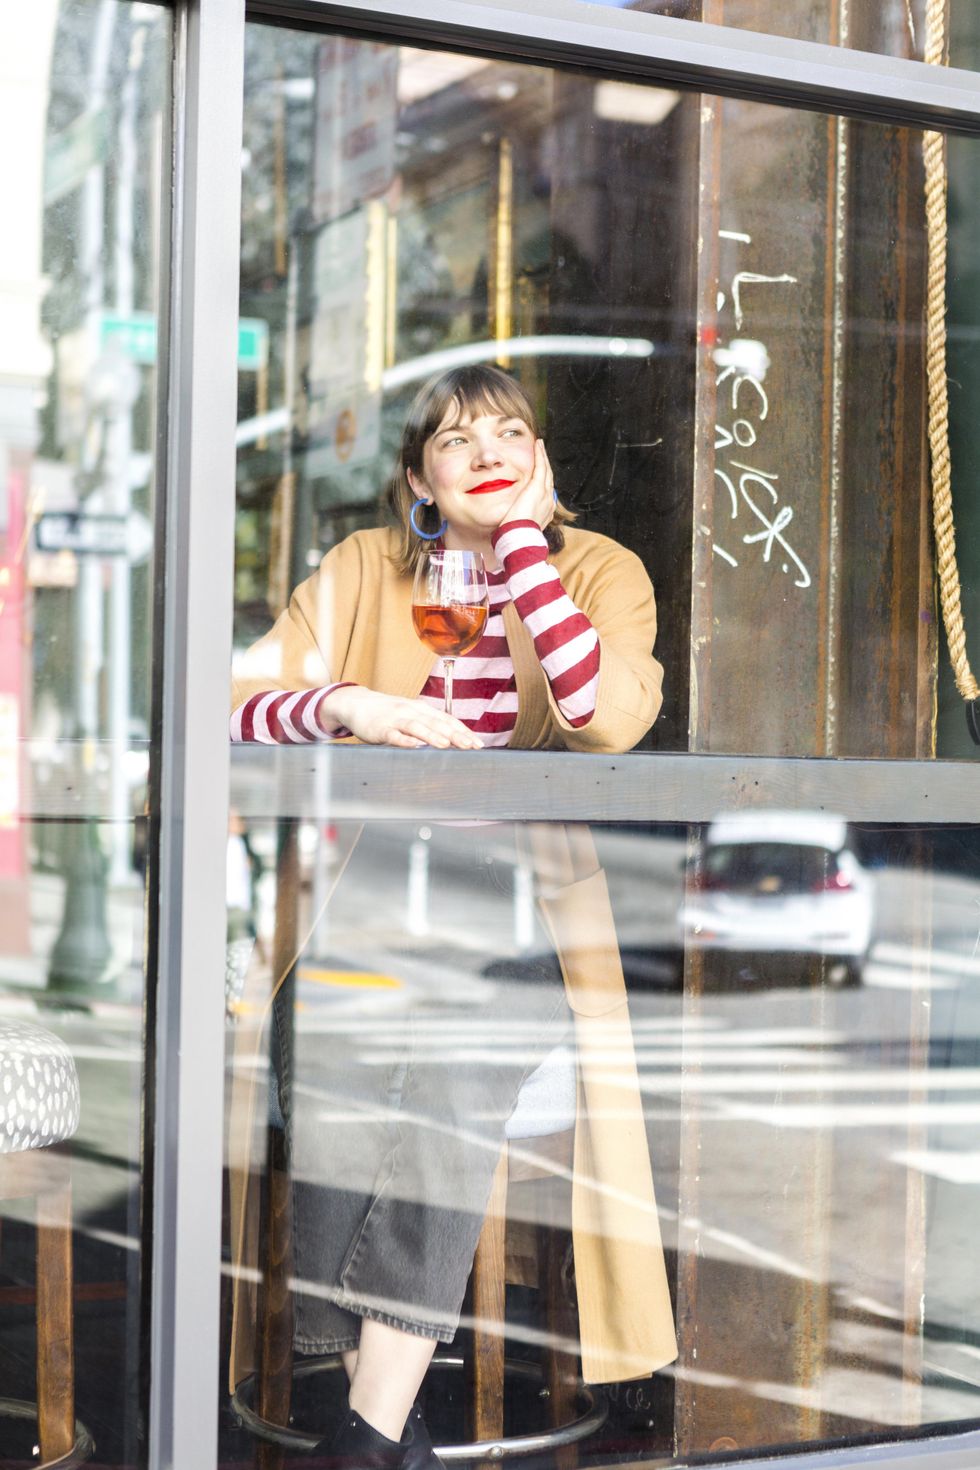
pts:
pixel 473 399
pixel 466 392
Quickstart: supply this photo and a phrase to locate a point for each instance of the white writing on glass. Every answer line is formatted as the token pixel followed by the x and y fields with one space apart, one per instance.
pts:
pixel 744 365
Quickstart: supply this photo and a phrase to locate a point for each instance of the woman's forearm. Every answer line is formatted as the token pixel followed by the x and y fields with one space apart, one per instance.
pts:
pixel 566 643
pixel 339 711
pixel 289 717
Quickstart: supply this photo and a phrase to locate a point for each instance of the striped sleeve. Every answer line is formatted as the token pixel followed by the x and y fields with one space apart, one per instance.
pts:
pixel 565 641
pixel 279 717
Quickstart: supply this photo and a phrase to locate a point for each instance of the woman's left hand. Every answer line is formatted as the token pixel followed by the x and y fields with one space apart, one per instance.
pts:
pixel 536 501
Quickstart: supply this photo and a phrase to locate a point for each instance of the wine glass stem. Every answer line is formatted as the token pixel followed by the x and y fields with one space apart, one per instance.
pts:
pixel 448 668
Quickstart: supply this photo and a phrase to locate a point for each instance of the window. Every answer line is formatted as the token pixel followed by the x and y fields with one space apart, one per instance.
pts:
pixel 84 97
pixel 717 309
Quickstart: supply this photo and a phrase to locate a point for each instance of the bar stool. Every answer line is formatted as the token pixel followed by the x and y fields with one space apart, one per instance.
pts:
pixel 539 1137
pixel 39 1108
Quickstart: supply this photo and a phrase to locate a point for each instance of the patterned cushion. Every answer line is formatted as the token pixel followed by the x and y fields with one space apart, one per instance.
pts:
pixel 39 1101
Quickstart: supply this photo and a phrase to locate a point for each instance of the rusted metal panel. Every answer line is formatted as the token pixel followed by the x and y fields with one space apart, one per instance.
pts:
pixel 886 593
pixel 810 635
pixel 765 543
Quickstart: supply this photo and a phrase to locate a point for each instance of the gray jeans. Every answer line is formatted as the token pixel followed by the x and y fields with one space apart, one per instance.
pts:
pixel 399 1106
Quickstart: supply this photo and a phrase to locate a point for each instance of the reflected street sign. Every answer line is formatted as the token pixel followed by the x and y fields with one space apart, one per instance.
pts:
pixel 70 154
pixel 135 334
pixel 86 535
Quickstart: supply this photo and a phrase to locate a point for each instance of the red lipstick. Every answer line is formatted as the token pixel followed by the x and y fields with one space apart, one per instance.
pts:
pixel 489 485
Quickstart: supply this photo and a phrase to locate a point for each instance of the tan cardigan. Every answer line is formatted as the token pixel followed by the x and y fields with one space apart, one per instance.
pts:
pixel 352 620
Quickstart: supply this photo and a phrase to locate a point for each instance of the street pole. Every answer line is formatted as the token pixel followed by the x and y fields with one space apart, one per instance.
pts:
pixel 89 613
pixel 118 488
pixel 81 953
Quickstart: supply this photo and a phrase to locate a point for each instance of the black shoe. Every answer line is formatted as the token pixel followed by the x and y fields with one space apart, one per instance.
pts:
pixel 357 1445
pixel 416 1444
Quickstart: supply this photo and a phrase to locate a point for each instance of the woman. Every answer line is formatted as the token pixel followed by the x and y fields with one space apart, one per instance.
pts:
pixel 565 662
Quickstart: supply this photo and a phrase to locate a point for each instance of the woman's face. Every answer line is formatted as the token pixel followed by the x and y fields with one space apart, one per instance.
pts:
pixel 473 469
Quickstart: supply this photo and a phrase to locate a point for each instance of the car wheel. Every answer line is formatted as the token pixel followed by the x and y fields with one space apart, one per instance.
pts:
pixel 843 974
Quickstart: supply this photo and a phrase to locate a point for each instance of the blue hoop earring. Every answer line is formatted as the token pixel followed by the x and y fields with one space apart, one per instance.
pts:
pixel 555 494
pixel 425 535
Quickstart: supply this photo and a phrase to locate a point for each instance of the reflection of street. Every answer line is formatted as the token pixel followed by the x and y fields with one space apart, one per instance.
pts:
pixel 767 1084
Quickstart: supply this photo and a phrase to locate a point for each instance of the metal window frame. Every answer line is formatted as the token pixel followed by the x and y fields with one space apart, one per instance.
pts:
pixel 193 646
pixel 377 783
pixel 660 49
pixel 185 1090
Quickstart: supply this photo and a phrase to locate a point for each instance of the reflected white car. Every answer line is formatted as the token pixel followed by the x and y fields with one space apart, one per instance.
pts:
pixel 772 886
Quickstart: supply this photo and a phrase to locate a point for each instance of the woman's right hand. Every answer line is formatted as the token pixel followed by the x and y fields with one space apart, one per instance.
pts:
pixel 387 719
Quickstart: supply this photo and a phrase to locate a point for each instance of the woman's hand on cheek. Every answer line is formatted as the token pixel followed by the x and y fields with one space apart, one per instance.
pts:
pixel 387 719
pixel 536 501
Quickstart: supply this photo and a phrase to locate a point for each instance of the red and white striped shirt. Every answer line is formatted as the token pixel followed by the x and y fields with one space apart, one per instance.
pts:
pixel 290 718
pixel 484 684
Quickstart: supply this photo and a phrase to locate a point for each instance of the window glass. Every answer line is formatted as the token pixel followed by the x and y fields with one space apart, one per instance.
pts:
pixel 755 866
pixel 805 1057
pixel 83 89
pixel 728 406
pixel 715 311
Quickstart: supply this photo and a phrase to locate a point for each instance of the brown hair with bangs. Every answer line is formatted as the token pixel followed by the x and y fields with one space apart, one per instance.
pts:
pixel 474 390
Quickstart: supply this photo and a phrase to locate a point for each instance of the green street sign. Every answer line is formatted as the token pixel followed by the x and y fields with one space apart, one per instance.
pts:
pixel 136 336
pixel 253 343
pixel 69 155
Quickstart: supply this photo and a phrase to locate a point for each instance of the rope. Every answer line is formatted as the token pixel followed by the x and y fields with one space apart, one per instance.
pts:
pixel 934 151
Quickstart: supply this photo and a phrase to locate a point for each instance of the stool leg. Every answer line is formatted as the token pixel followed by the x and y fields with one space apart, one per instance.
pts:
pixel 486 1367
pixel 276 1310
pixel 561 1366
pixel 55 1352
pixel 275 1383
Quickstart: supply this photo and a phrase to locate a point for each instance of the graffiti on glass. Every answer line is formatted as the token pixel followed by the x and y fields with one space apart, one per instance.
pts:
pixel 754 494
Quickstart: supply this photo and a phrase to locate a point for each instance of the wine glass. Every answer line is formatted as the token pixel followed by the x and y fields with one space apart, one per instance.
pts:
pixel 450 603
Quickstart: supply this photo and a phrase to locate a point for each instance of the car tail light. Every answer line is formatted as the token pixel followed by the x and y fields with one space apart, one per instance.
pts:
pixel 833 883
pixel 701 882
